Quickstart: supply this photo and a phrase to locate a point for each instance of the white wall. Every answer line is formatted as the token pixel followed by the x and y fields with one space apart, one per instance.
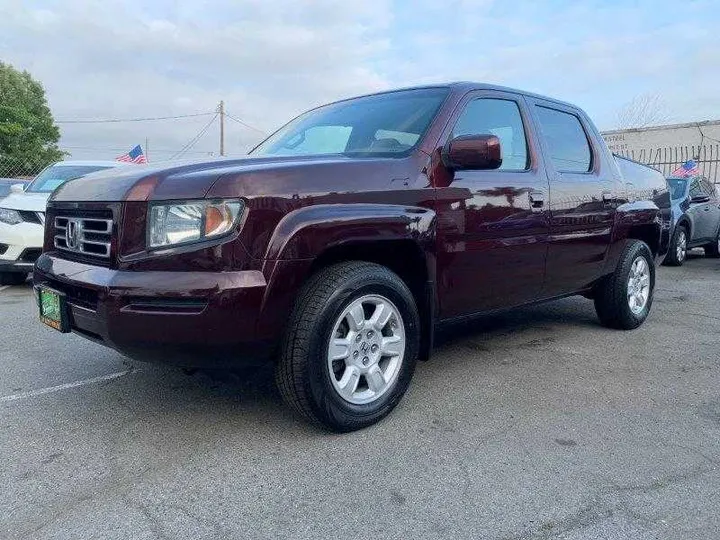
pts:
pixel 666 147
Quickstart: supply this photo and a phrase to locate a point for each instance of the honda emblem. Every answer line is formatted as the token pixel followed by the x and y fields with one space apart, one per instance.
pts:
pixel 72 234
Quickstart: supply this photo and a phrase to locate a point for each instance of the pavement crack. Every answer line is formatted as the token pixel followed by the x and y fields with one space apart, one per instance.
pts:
pixel 665 482
pixel 153 521
pixel 594 512
pixel 701 315
pixel 220 532
pixel 609 502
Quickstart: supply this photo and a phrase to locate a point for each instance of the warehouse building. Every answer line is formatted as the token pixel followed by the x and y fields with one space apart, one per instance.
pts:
pixel 668 147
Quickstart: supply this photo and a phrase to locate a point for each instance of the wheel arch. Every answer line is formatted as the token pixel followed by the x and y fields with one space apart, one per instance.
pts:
pixel 684 221
pixel 640 220
pixel 398 237
pixel 648 233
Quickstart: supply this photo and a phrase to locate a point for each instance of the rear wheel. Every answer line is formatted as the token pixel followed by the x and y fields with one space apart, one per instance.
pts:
pixel 678 247
pixel 351 346
pixel 623 299
pixel 12 278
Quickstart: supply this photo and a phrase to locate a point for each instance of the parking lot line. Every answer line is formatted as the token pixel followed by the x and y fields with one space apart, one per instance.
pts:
pixel 66 386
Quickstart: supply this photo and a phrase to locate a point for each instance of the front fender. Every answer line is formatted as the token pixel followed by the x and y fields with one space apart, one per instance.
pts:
pixel 307 232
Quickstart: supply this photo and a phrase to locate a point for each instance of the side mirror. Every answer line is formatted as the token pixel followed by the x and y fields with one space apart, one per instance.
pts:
pixel 472 152
pixel 17 188
pixel 700 199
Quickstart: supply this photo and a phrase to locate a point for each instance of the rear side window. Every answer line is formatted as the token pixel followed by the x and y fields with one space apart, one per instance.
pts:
pixel 499 117
pixel 566 139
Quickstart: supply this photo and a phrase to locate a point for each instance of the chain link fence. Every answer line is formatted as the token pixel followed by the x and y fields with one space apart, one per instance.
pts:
pixel 20 169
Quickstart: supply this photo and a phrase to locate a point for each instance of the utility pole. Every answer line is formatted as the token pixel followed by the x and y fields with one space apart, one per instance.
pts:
pixel 222 128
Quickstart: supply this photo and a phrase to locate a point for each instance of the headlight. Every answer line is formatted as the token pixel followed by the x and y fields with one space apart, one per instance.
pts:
pixel 11 217
pixel 191 221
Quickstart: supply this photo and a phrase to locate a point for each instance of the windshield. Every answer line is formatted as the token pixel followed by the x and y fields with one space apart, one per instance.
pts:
pixel 58 174
pixel 677 187
pixel 383 124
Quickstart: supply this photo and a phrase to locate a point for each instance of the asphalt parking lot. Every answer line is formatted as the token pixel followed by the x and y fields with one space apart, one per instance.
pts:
pixel 537 424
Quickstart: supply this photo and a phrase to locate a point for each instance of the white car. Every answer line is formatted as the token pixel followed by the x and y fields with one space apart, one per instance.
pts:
pixel 22 216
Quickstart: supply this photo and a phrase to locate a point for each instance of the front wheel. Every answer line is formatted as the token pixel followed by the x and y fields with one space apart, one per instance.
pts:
pixel 351 346
pixel 624 298
pixel 678 247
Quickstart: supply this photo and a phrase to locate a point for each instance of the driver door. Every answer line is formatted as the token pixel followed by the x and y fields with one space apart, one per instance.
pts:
pixel 701 211
pixel 493 224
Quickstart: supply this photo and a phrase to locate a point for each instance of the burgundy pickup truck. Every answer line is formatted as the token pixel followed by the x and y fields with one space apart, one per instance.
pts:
pixel 342 243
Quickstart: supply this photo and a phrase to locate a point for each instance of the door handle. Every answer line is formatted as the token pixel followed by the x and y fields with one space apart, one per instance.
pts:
pixel 537 199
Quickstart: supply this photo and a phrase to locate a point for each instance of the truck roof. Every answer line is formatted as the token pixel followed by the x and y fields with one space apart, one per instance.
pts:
pixel 464 86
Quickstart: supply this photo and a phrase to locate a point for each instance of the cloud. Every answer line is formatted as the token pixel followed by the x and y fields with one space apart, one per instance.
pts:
pixel 598 54
pixel 267 61
pixel 271 59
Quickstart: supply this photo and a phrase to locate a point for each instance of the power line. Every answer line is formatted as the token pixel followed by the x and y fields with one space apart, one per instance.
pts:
pixel 195 139
pixel 703 136
pixel 153 118
pixel 115 120
pixel 231 117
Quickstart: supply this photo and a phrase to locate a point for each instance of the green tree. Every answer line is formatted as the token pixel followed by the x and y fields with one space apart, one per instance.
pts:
pixel 28 134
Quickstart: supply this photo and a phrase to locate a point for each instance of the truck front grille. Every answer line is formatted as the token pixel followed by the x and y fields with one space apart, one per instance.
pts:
pixel 89 236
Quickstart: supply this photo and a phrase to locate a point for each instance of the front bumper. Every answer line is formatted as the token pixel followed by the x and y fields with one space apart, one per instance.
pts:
pixel 19 266
pixel 20 245
pixel 192 319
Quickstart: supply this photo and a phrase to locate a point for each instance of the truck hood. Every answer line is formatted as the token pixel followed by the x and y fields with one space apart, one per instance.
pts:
pixel 243 176
pixel 34 202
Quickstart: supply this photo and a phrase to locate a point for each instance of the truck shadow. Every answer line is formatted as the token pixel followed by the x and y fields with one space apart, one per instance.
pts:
pixel 505 329
pixel 249 399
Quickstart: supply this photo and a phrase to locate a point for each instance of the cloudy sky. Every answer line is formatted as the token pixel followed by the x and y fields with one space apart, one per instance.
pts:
pixel 271 59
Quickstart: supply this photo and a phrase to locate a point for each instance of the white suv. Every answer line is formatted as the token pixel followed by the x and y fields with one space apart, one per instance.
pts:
pixel 22 216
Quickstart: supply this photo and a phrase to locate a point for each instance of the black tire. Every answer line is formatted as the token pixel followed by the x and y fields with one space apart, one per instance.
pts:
pixel 13 278
pixel 672 258
pixel 713 250
pixel 611 295
pixel 301 373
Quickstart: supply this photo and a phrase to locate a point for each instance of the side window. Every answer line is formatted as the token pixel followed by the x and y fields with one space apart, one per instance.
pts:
pixel 499 117
pixel 708 188
pixel 696 189
pixel 566 139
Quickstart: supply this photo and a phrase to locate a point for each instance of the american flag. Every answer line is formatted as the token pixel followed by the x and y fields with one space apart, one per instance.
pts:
pixel 686 170
pixel 135 155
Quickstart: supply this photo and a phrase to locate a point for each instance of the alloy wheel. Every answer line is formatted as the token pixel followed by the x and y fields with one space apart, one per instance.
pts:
pixel 681 246
pixel 638 286
pixel 366 349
